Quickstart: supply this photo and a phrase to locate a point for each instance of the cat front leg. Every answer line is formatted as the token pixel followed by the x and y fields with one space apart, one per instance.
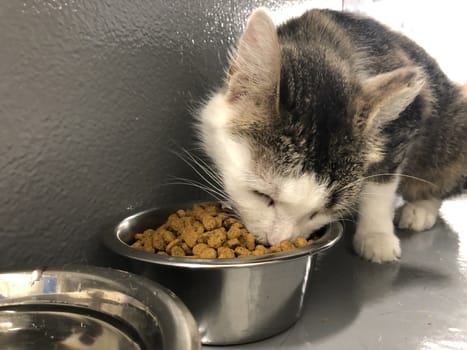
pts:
pixel 374 237
pixel 419 215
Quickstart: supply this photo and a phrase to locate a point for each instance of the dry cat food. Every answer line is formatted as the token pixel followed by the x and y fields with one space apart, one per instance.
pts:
pixel 206 231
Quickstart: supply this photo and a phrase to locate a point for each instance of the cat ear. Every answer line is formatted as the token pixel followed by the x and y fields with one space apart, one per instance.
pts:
pixel 255 67
pixel 386 95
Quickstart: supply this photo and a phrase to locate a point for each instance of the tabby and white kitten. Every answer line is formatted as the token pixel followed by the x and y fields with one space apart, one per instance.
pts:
pixel 331 113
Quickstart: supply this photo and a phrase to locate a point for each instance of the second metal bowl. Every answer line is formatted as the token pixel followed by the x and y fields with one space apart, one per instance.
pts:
pixel 85 307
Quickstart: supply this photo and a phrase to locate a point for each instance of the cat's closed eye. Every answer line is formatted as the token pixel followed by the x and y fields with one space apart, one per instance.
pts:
pixel 312 215
pixel 267 198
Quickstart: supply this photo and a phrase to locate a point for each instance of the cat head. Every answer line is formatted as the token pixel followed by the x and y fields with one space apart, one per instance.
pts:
pixel 292 132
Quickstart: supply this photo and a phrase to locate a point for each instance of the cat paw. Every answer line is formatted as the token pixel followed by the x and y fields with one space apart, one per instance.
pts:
pixel 419 215
pixel 377 247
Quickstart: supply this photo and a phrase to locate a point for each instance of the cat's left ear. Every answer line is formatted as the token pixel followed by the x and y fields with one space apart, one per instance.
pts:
pixel 386 95
pixel 255 68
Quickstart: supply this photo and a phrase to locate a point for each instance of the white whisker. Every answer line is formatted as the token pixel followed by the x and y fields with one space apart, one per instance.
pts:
pixel 372 194
pixel 215 196
pixel 205 167
pixel 384 174
pixel 220 195
pixel 348 220
pixel 199 171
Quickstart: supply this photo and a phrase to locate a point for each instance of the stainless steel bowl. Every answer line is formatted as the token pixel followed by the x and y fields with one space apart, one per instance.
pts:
pixel 91 308
pixel 234 301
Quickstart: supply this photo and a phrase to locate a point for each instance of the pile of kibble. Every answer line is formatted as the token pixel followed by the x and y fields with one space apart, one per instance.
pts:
pixel 206 231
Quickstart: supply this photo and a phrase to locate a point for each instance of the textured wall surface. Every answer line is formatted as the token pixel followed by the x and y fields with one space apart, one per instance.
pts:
pixel 93 96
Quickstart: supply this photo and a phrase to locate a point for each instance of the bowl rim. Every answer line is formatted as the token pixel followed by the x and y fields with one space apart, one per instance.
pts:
pixel 112 240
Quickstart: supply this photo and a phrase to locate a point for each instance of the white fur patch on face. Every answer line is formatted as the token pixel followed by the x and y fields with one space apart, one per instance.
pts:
pixel 228 154
pixel 297 209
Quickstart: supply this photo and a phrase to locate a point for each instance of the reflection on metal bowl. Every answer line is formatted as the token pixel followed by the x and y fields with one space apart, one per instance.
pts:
pixel 236 300
pixel 91 308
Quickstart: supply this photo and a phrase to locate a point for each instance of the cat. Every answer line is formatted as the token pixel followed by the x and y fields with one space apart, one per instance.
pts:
pixel 331 114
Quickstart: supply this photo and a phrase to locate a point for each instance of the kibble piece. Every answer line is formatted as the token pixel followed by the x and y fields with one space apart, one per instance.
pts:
pixel 250 242
pixel 242 251
pixel 222 216
pixel 225 253
pixel 162 253
pixel 219 221
pixel 158 241
pixel 197 227
pixel 198 207
pixel 203 238
pixel 172 244
pixel 243 237
pixel 208 253
pixel 209 222
pixel 274 249
pixel 235 231
pixel 186 248
pixel 286 244
pixel 232 243
pixel 167 236
pixel 137 245
pixel 197 249
pixel 187 222
pixel 230 221
pixel 175 223
pixel 300 242
pixel 139 236
pixel 149 249
pixel 211 208
pixel 147 241
pixel 217 238
pixel 197 212
pixel 260 250
pixel 177 251
pixel 181 213
pixel 190 237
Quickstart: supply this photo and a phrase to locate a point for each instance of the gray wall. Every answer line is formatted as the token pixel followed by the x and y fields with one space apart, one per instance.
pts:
pixel 93 95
